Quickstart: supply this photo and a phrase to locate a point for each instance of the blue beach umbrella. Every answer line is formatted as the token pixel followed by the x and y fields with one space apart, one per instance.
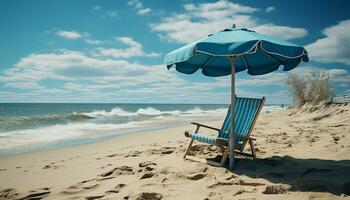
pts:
pixel 234 50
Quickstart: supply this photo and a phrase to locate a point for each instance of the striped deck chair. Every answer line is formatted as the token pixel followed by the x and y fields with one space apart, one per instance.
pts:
pixel 246 114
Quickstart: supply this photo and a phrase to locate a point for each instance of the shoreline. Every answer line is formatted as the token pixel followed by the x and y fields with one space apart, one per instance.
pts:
pixel 97 137
pixel 80 127
pixel 86 132
pixel 76 142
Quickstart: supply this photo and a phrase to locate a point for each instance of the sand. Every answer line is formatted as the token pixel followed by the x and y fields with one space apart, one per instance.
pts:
pixel 301 154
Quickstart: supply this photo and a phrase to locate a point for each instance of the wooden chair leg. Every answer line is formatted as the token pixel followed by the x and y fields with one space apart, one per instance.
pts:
pixel 190 145
pixel 188 148
pixel 222 150
pixel 224 157
pixel 252 147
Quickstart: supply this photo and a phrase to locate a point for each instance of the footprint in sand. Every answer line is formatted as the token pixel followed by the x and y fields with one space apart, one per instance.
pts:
pixel 196 176
pixel 246 183
pixel 114 155
pixel 53 166
pixel 242 191
pixel 9 193
pixel 92 197
pixel 36 194
pixel 73 189
pixel 116 189
pixel 133 154
pixel 336 139
pixel 149 196
pixel 147 175
pixel 107 165
pixel 148 166
pixel 123 170
pixel 221 183
pixel 167 150
pixel 147 163
pixel 161 151
pixel 81 186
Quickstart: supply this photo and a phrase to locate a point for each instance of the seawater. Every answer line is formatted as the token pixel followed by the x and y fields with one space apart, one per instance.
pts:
pixel 27 127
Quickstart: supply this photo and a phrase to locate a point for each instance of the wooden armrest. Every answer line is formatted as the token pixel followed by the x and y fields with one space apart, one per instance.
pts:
pixel 205 126
pixel 221 142
pixel 187 134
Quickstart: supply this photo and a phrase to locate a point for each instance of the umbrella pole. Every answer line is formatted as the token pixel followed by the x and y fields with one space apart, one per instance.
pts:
pixel 233 106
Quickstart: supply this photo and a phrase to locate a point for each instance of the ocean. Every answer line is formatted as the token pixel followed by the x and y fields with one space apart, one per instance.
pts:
pixel 29 127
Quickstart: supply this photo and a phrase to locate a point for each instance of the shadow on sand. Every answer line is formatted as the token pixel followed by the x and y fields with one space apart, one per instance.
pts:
pixel 301 174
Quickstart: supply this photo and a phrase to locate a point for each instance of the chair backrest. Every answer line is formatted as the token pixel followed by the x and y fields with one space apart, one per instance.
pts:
pixel 247 109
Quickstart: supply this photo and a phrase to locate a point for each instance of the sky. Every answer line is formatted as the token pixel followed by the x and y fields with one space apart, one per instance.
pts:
pixel 112 51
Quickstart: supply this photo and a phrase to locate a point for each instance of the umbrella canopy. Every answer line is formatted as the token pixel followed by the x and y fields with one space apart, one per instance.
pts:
pixel 246 50
pixel 257 53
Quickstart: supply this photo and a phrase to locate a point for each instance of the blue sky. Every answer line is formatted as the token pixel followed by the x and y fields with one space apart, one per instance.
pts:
pixel 112 51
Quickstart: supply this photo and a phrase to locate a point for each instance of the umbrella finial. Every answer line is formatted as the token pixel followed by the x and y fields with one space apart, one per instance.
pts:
pixel 233 25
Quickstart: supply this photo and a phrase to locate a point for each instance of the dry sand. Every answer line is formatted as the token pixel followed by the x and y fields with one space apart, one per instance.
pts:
pixel 300 155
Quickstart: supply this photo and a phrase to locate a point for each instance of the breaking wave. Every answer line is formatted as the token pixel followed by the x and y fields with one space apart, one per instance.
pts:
pixel 25 122
pixel 145 111
pixel 32 121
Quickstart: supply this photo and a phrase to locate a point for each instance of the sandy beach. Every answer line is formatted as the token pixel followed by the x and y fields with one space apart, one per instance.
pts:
pixel 300 155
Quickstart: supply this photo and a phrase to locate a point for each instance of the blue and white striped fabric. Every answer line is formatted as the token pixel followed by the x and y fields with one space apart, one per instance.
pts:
pixel 203 138
pixel 246 110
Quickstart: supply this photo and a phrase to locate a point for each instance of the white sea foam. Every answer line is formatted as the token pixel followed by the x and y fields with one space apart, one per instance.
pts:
pixel 147 111
pixel 43 135
pixel 113 112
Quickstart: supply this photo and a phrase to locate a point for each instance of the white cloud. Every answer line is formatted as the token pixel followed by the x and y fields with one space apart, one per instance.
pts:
pixel 275 78
pixel 144 11
pixel 340 77
pixel 135 49
pixel 24 85
pixel 337 72
pixel 141 10
pixel 270 8
pixel 89 41
pixel 334 47
pixel 72 66
pixel 99 79
pixel 190 7
pixel 284 32
pixel 72 35
pixel 96 79
pixel 199 20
